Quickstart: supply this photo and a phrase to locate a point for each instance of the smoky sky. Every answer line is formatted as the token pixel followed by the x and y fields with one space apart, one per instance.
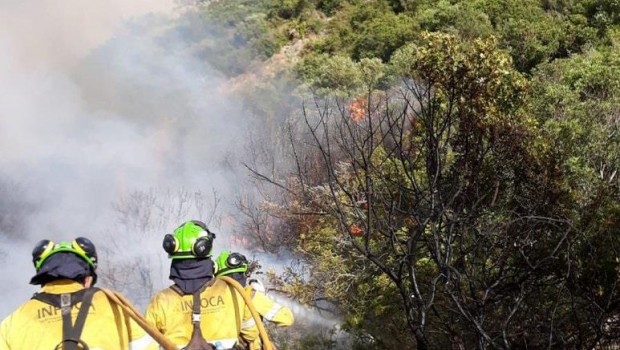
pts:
pixel 107 113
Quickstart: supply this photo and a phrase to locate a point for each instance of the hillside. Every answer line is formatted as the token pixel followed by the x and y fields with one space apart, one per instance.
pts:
pixel 451 175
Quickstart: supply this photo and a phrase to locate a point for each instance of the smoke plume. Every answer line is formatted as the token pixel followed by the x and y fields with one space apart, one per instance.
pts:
pixel 111 129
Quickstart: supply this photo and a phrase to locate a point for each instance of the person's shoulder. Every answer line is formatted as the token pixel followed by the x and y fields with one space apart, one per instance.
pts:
pixel 166 293
pixel 28 305
pixel 23 313
pixel 218 282
pixel 9 318
pixel 219 287
pixel 167 290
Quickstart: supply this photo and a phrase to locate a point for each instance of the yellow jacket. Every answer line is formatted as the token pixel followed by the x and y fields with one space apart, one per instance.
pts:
pixel 36 325
pixel 224 316
pixel 269 310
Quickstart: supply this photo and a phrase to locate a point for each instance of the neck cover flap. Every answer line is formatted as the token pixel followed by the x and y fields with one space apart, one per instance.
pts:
pixel 191 274
pixel 239 277
pixel 62 265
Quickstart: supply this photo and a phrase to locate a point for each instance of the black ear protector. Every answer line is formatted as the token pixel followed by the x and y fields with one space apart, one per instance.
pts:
pixel 42 249
pixel 235 260
pixel 170 244
pixel 200 248
pixel 87 247
pixel 80 246
pixel 203 245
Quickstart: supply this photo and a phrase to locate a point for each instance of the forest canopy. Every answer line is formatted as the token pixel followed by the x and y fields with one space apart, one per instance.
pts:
pixel 452 166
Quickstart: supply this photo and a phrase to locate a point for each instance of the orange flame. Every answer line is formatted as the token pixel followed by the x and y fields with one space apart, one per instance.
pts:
pixel 357 109
pixel 356 230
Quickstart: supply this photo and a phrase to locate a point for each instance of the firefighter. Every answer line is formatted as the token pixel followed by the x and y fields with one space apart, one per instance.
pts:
pixel 198 311
pixel 69 313
pixel 236 265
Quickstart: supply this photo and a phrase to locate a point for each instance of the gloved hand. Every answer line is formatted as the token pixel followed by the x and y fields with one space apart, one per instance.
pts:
pixel 257 285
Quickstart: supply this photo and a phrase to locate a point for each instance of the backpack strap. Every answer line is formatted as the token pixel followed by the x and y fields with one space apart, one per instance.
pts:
pixel 177 290
pixel 196 301
pixel 54 299
pixel 196 307
pixel 71 333
pixel 197 340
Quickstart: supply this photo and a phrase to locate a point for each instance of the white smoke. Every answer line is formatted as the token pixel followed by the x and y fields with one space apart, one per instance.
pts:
pixel 56 34
pixel 99 102
pixel 111 128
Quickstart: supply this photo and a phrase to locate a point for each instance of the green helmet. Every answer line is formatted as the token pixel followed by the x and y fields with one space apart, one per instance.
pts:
pixel 228 263
pixel 191 240
pixel 80 246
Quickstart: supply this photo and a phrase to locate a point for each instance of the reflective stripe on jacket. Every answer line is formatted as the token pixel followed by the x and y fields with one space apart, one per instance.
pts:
pixel 223 312
pixel 270 311
pixel 36 325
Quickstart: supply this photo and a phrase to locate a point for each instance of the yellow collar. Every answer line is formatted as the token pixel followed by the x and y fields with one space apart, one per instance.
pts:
pixel 62 286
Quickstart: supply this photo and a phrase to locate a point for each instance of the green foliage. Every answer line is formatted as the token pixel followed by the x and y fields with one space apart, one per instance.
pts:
pixel 242 34
pixel 460 72
pixel 255 33
pixel 467 201
pixel 288 9
pixel 340 74
pixel 578 101
pixel 532 31
pixel 382 35
pixel 329 7
pixel 533 35
pixel 557 29
pixel 460 18
pixel 602 14
pixel 493 187
pixel 373 30
pixel 231 13
pixel 466 142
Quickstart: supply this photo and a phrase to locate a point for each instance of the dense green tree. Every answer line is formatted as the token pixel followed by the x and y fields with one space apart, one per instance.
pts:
pixel 438 196
pixel 418 184
pixel 461 18
pixel 578 101
pixel 488 226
